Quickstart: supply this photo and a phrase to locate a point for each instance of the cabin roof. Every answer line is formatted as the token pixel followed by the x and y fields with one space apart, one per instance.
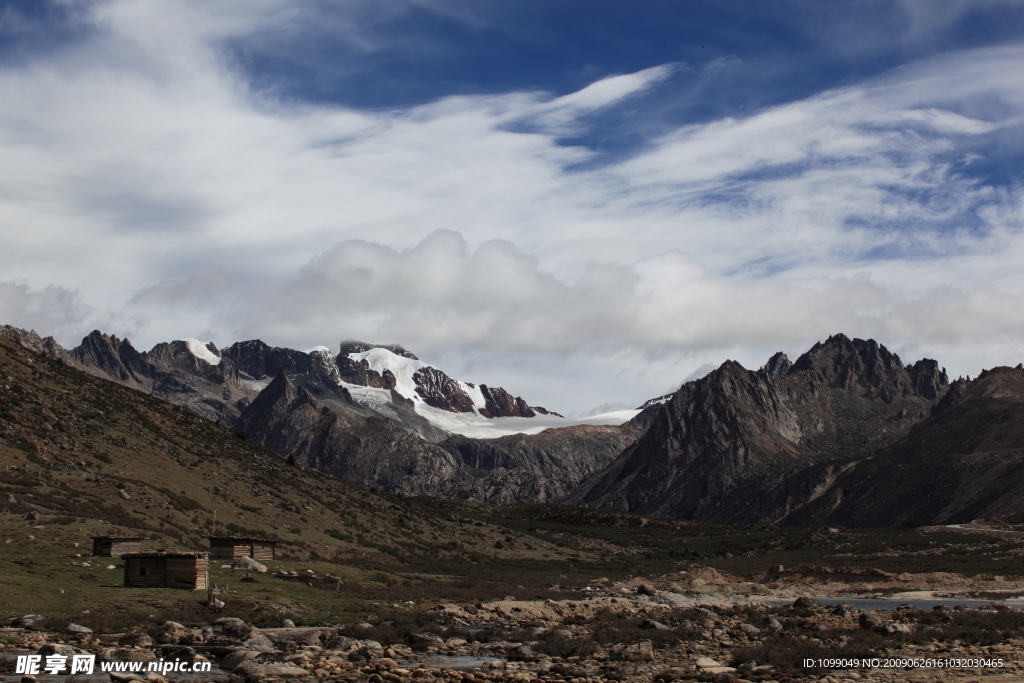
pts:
pixel 243 538
pixel 118 538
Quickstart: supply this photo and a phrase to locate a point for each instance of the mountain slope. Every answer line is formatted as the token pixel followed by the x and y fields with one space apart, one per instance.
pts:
pixel 371 450
pixel 84 451
pixel 966 461
pixel 722 443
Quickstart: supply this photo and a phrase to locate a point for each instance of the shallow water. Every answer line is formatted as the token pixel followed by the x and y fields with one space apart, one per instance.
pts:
pixel 876 603
pixel 457 662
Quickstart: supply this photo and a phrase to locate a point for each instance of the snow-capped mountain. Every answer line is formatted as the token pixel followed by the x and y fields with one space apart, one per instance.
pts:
pixel 423 383
pixel 382 378
pixel 385 379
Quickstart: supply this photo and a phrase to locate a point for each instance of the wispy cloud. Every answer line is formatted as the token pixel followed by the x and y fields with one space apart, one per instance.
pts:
pixel 151 188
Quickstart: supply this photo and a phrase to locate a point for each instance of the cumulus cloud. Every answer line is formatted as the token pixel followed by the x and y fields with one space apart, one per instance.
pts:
pixel 52 310
pixel 440 294
pixel 151 189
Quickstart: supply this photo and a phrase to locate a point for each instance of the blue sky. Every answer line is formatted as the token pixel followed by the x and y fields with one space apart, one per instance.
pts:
pixel 587 202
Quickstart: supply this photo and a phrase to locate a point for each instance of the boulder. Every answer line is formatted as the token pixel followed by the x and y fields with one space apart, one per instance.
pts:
pixel 806 603
pixel 184 654
pixel 116 677
pixel 421 641
pixel 26 621
pixel 246 562
pixel 57 649
pixel 268 665
pixel 652 625
pixel 633 652
pixel 870 620
pixel 77 628
pixel 844 609
pixel 232 628
pixel 135 639
pixel 521 653
pixel 313 637
pixel 749 630
pixel 259 642
pixel 646 589
pixel 171 633
pixel 237 657
pixel 369 652
pixel 341 643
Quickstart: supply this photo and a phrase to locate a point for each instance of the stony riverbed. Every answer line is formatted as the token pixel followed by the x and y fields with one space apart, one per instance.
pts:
pixel 708 630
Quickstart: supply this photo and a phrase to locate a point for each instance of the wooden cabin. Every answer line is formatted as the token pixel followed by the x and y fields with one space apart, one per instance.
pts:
pixel 115 546
pixel 190 571
pixel 233 547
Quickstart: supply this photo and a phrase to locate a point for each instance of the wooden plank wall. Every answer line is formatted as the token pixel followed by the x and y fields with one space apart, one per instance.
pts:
pixel 155 576
pixel 183 572
pixel 262 552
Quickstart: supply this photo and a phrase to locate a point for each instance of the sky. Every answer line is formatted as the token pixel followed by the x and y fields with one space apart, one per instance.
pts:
pixel 586 202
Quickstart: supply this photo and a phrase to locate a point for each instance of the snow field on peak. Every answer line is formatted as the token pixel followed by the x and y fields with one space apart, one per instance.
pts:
pixel 480 427
pixel 401 367
pixel 471 424
pixel 377 400
pixel 476 394
pixel 404 368
pixel 200 351
pixel 477 426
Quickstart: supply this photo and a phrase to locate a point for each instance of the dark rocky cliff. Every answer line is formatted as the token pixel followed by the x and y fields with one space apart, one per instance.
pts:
pixel 965 461
pixel 721 446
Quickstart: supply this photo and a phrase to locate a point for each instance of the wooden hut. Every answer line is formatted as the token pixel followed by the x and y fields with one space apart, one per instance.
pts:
pixel 115 546
pixel 190 571
pixel 233 547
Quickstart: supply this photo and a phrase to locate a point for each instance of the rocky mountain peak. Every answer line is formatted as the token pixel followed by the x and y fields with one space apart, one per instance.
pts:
pixel 47 346
pixel 258 359
pixel 498 402
pixel 841 361
pixel 114 357
pixel 927 379
pixel 778 365
pixel 865 367
pixel 441 391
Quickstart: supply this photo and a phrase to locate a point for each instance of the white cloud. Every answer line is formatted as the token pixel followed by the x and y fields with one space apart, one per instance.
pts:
pixel 52 310
pixel 148 189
